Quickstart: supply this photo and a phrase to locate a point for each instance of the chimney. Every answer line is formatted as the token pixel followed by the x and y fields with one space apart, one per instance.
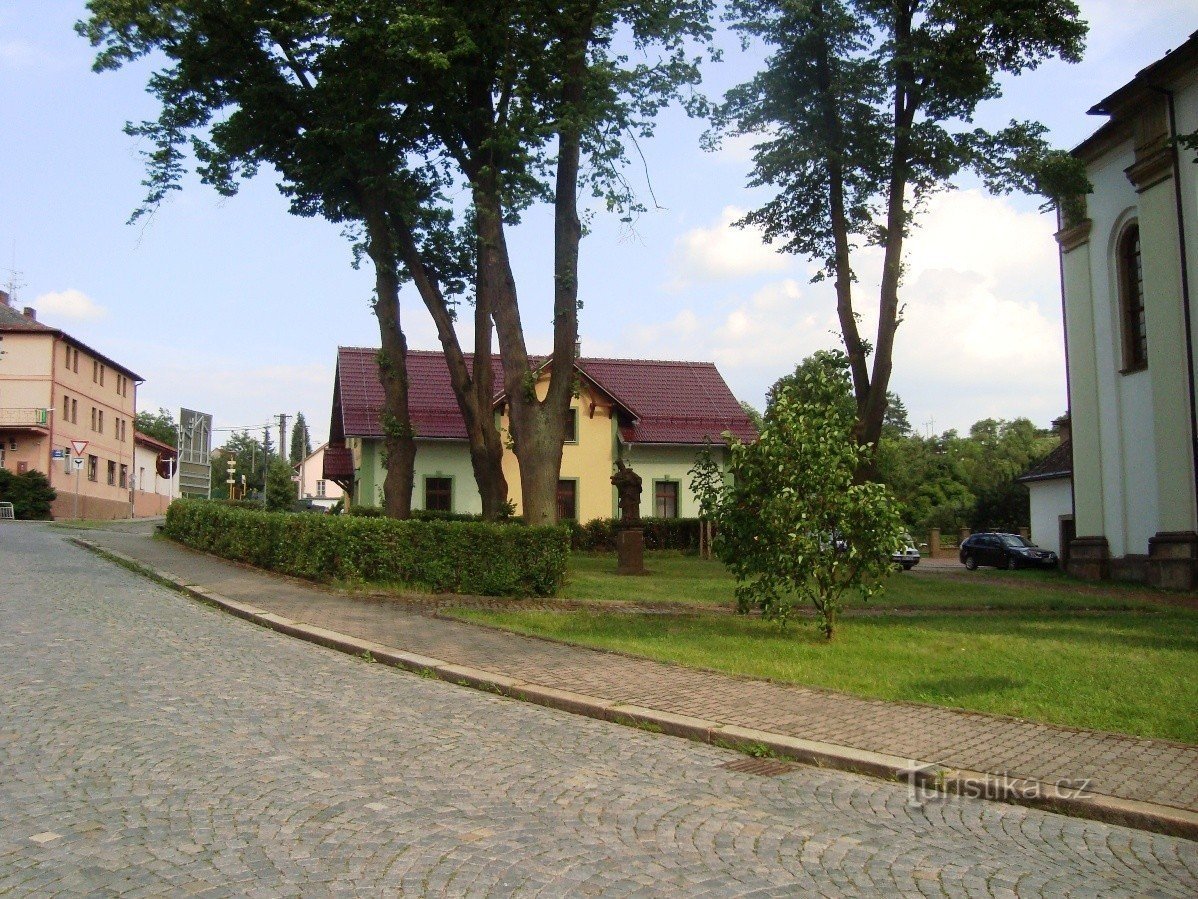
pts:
pixel 1064 428
pixel 577 348
pixel 30 313
pixel 3 298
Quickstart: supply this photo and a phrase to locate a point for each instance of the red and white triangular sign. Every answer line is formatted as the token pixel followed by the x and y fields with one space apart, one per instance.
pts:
pixel 78 446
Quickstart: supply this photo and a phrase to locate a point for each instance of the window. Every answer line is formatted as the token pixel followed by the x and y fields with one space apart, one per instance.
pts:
pixel 320 488
pixel 66 408
pixel 100 421
pixel 665 499
pixel 92 465
pixel 101 375
pixel 1131 300
pixel 438 494
pixel 572 426
pixel 75 363
pixel 93 418
pixel 95 371
pixel 111 474
pixel 124 477
pixel 567 500
pixel 74 412
pixel 67 361
pixel 141 479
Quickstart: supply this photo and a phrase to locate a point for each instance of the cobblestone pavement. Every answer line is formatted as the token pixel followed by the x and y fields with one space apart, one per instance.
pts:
pixel 151 746
pixel 1158 771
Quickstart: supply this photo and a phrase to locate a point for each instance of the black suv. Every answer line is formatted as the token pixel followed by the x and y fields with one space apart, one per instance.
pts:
pixel 1004 551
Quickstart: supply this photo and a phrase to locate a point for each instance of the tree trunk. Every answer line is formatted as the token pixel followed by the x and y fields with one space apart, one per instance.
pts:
pixel 474 391
pixel 398 438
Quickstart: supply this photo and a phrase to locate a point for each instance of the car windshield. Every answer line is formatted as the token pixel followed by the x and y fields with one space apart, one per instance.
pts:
pixel 1013 540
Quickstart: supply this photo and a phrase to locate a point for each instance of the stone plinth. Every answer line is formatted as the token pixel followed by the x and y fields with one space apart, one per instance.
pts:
pixel 1173 560
pixel 1089 558
pixel 630 549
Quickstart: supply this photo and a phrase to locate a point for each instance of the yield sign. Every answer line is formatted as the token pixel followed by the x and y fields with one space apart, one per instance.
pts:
pixel 78 446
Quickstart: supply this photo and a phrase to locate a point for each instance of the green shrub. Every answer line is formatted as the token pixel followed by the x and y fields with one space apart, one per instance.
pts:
pixel 30 493
pixel 366 511
pixel 444 556
pixel 281 491
pixel 599 534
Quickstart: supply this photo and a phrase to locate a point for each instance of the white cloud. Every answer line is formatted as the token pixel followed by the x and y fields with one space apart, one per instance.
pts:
pixel 981 334
pixel 70 303
pixel 723 251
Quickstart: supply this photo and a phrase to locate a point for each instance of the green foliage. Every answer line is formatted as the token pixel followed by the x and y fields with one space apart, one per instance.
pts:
pixel 30 494
pixel 160 425
pixel 456 557
pixel 599 534
pixel 301 441
pixel 950 482
pixel 863 112
pixel 280 489
pixel 794 522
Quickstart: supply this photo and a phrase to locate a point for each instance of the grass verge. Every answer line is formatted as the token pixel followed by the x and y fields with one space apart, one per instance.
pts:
pixel 1134 673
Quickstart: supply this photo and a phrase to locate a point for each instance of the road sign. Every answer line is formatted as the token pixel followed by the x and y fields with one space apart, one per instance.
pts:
pixel 57 453
pixel 78 446
pixel 78 464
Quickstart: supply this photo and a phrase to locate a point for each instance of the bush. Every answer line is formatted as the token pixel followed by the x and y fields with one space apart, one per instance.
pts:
pixel 599 534
pixel 443 556
pixel 30 493
pixel 281 492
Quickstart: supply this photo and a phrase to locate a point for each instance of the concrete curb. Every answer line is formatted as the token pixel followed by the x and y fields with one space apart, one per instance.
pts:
pixel 926 781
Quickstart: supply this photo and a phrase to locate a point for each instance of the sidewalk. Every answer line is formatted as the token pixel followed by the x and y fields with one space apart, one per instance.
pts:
pixel 1151 784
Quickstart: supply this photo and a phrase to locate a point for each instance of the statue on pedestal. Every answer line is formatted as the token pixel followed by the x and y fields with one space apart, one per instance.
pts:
pixel 628 489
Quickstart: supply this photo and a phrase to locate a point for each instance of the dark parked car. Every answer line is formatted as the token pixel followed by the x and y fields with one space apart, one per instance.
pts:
pixel 1004 551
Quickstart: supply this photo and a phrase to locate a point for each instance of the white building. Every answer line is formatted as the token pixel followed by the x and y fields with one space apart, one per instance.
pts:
pixel 312 483
pixel 1130 332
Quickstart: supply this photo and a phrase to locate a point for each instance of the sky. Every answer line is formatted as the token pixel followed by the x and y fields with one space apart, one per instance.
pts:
pixel 236 307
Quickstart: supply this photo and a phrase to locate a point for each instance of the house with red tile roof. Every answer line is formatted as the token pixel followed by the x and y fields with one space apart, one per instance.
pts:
pixel 655 415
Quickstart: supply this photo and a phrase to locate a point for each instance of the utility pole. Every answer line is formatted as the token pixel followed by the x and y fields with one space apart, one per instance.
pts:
pixel 283 436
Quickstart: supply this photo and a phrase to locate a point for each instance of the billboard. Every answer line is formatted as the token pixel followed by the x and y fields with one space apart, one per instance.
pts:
pixel 195 447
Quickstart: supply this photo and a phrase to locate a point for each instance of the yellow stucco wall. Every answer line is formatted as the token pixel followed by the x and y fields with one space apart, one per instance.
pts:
pixel 589 460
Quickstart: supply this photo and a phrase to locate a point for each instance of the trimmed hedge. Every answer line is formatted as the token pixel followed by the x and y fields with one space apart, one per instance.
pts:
pixel 599 535
pixel 441 556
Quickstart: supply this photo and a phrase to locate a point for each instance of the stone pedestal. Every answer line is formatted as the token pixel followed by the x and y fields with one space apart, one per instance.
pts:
pixel 1173 560
pixel 630 549
pixel 1090 558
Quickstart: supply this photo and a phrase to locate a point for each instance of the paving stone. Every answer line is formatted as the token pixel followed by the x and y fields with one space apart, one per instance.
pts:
pixel 551 803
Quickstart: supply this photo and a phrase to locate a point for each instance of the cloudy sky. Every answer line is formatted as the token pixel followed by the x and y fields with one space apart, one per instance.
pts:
pixel 233 306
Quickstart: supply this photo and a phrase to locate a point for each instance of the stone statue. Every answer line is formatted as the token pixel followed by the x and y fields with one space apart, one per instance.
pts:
pixel 628 488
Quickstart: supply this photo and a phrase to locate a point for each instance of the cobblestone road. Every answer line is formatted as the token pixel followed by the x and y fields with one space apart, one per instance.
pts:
pixel 150 746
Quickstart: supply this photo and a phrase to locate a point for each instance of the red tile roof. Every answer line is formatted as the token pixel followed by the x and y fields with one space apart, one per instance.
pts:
pixel 663 402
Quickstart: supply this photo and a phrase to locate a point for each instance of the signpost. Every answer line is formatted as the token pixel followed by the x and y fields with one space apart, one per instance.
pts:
pixel 78 446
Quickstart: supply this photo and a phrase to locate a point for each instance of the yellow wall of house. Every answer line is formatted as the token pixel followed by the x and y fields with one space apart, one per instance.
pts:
pixel 589 460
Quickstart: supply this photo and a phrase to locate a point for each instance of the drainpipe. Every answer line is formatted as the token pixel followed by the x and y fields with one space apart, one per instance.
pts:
pixel 1185 287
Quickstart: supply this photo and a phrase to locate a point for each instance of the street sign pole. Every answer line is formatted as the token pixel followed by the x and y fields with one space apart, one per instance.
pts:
pixel 78 469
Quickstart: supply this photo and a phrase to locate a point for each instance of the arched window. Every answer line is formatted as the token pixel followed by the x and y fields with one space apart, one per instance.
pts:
pixel 1131 300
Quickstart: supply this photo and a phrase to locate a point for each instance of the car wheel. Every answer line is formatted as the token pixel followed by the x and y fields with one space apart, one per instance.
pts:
pixel 971 563
pixel 1011 563
pixel 908 567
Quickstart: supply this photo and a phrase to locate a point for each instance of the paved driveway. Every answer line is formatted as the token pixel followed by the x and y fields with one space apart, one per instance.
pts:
pixel 150 746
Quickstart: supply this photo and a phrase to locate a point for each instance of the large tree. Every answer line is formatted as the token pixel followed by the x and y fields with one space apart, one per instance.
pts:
pixel 863 111
pixel 298 87
pixel 531 101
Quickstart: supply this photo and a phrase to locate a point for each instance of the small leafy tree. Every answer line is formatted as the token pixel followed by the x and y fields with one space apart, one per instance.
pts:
pixel 30 494
pixel 794 522
pixel 280 489
pixel 160 425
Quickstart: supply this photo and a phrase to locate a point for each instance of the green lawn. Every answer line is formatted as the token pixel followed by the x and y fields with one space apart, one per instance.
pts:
pixel 676 578
pixel 1129 672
